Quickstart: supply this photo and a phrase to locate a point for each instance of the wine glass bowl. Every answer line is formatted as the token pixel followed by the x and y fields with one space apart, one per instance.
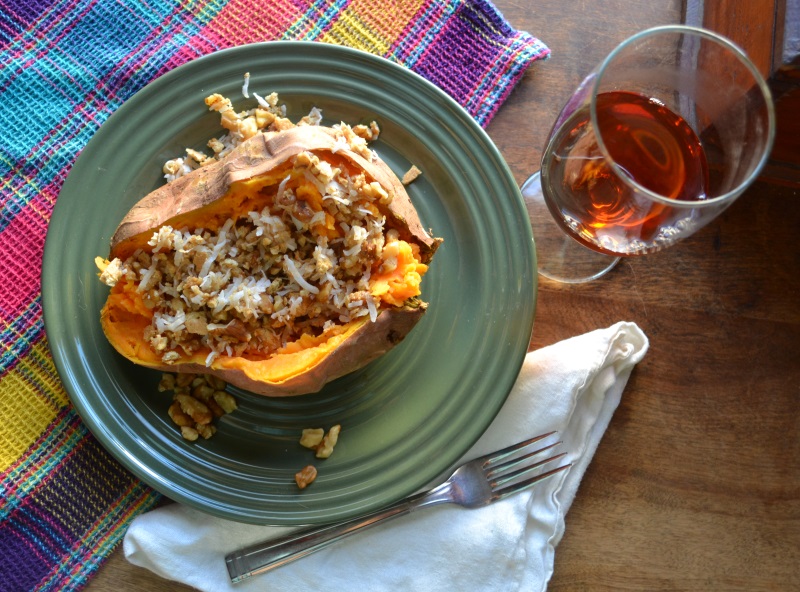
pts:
pixel 656 142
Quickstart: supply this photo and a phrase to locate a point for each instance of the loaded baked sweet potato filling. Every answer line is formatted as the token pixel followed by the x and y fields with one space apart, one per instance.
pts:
pixel 309 253
pixel 289 258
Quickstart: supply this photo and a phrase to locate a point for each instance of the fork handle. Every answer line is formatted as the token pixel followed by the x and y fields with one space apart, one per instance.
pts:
pixel 265 556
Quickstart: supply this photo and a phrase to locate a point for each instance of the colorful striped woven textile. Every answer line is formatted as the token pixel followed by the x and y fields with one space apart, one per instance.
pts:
pixel 65 66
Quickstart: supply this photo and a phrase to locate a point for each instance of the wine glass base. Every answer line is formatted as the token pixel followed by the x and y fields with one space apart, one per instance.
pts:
pixel 560 257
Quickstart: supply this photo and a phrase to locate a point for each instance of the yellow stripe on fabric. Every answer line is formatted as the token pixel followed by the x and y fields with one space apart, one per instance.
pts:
pixel 388 19
pixel 369 26
pixel 349 30
pixel 30 399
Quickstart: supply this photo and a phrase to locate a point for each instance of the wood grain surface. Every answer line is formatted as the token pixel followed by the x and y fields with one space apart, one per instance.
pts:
pixel 696 483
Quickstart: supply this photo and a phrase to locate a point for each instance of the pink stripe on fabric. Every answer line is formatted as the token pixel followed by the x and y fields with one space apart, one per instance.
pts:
pixel 21 248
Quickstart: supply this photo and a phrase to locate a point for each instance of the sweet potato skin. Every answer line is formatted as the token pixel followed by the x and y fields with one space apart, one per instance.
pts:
pixel 203 187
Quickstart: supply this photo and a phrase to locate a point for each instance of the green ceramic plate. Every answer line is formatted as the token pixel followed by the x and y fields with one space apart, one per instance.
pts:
pixel 407 416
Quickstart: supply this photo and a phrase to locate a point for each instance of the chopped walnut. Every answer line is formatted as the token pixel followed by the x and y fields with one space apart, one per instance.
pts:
pixel 264 118
pixel 216 383
pixel 281 123
pixel 356 142
pixel 185 379
pixel 225 400
pixel 167 383
pixel 215 145
pixel 197 323
pixel 216 410
pixel 411 174
pixel 370 133
pixel 196 156
pixel 178 416
pixel 206 431
pixel 312 437
pixel 173 167
pixel 305 476
pixel 248 127
pixel 110 271
pixel 229 119
pixel 203 392
pixel 189 433
pixel 195 409
pixel 377 192
pixel 170 357
pixel 325 449
pixel 197 401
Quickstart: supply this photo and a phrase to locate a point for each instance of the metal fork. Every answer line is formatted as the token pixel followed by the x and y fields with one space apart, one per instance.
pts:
pixel 476 483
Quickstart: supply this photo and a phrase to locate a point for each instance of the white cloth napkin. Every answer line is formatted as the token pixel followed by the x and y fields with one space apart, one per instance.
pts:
pixel 573 386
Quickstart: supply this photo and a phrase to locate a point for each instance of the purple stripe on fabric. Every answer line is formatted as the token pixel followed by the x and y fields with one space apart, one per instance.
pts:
pixel 60 511
pixel 458 59
pixel 15 542
pixel 16 15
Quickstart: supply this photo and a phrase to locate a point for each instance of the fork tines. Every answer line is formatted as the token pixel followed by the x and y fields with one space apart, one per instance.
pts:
pixel 515 468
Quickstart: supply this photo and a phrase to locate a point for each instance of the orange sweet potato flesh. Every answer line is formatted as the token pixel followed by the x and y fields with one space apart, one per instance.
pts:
pixel 209 195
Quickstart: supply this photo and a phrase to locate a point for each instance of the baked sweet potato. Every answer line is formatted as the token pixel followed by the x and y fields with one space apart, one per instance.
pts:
pixel 295 259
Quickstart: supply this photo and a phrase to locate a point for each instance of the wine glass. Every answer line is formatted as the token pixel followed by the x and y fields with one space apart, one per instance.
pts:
pixel 656 142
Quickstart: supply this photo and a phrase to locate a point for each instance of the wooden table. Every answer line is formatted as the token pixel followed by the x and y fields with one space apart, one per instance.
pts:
pixel 696 483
